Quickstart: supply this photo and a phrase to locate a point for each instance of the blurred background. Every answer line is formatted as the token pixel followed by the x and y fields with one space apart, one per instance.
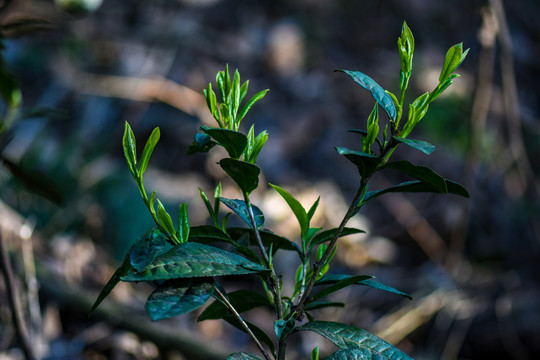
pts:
pixel 69 208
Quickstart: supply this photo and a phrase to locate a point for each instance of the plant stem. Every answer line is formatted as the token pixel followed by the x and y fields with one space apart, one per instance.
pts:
pixel 16 312
pixel 238 317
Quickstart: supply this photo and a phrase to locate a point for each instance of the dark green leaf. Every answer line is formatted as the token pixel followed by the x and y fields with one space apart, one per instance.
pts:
pixel 178 297
pixel 354 354
pixel 244 174
pixel 258 96
pixel 188 260
pixel 421 173
pixel 148 149
pixel 418 186
pixel 340 285
pixel 314 305
pixel 296 208
pixel 366 163
pixel 268 238
pixel 233 141
pixel 240 208
pixel 423 146
pixel 376 90
pixel 335 278
pixel 350 337
pixel 242 300
pixel 329 234
pixel 115 279
pixel 147 247
pixel 243 356
pixel 130 151
pixel 208 234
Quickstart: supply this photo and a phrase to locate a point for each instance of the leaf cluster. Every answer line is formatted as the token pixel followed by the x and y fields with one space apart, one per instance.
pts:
pixel 182 262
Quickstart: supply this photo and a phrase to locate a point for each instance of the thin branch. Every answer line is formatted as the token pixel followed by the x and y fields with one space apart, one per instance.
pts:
pixel 238 317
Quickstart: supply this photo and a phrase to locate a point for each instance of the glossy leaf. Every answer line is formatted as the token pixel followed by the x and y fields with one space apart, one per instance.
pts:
pixel 421 173
pixel 327 235
pixel 268 239
pixel 406 48
pixel 208 234
pixel 113 281
pixel 354 354
pixel 130 151
pixel 366 163
pixel 178 297
pixel 242 300
pixel 319 304
pixel 419 186
pixel 313 208
pixel 296 208
pixel 183 223
pixel 258 144
pixel 376 90
pixel 335 278
pixel 243 356
pixel 187 260
pixel 340 285
pixel 258 96
pixel 147 247
pixel 423 146
pixel 148 149
pixel 350 337
pixel 454 58
pixel 233 141
pixel 211 102
pixel 164 218
pixel 244 174
pixel 240 208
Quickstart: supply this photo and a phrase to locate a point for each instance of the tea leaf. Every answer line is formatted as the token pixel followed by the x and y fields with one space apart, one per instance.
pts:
pixel 183 223
pixel 421 173
pixel 115 279
pixel 335 278
pixel 419 186
pixel 376 90
pixel 165 219
pixel 327 235
pixel 242 300
pixel 240 208
pixel 207 234
pixel 296 208
pixel 454 58
pixel 366 163
pixel 258 332
pixel 258 96
pixel 350 337
pixel 187 260
pixel 340 285
pixel 178 297
pixel 148 149
pixel 354 354
pixel 147 247
pixel 423 146
pixel 130 151
pixel 314 305
pixel 233 141
pixel 244 174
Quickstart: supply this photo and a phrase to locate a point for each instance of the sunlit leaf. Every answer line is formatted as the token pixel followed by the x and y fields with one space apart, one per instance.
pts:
pixel 295 206
pixel 148 149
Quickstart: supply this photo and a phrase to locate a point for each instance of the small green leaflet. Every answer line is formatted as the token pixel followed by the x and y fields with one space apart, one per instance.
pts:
pixel 350 337
pixel 376 90
pixel 240 208
pixel 130 151
pixel 423 146
pixel 187 260
pixel 148 149
pixel 178 296
pixel 296 208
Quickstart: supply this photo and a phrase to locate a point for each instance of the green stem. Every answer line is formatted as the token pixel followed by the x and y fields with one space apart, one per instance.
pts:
pixel 238 317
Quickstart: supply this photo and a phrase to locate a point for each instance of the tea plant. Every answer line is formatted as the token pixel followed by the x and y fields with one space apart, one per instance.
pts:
pixel 178 260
